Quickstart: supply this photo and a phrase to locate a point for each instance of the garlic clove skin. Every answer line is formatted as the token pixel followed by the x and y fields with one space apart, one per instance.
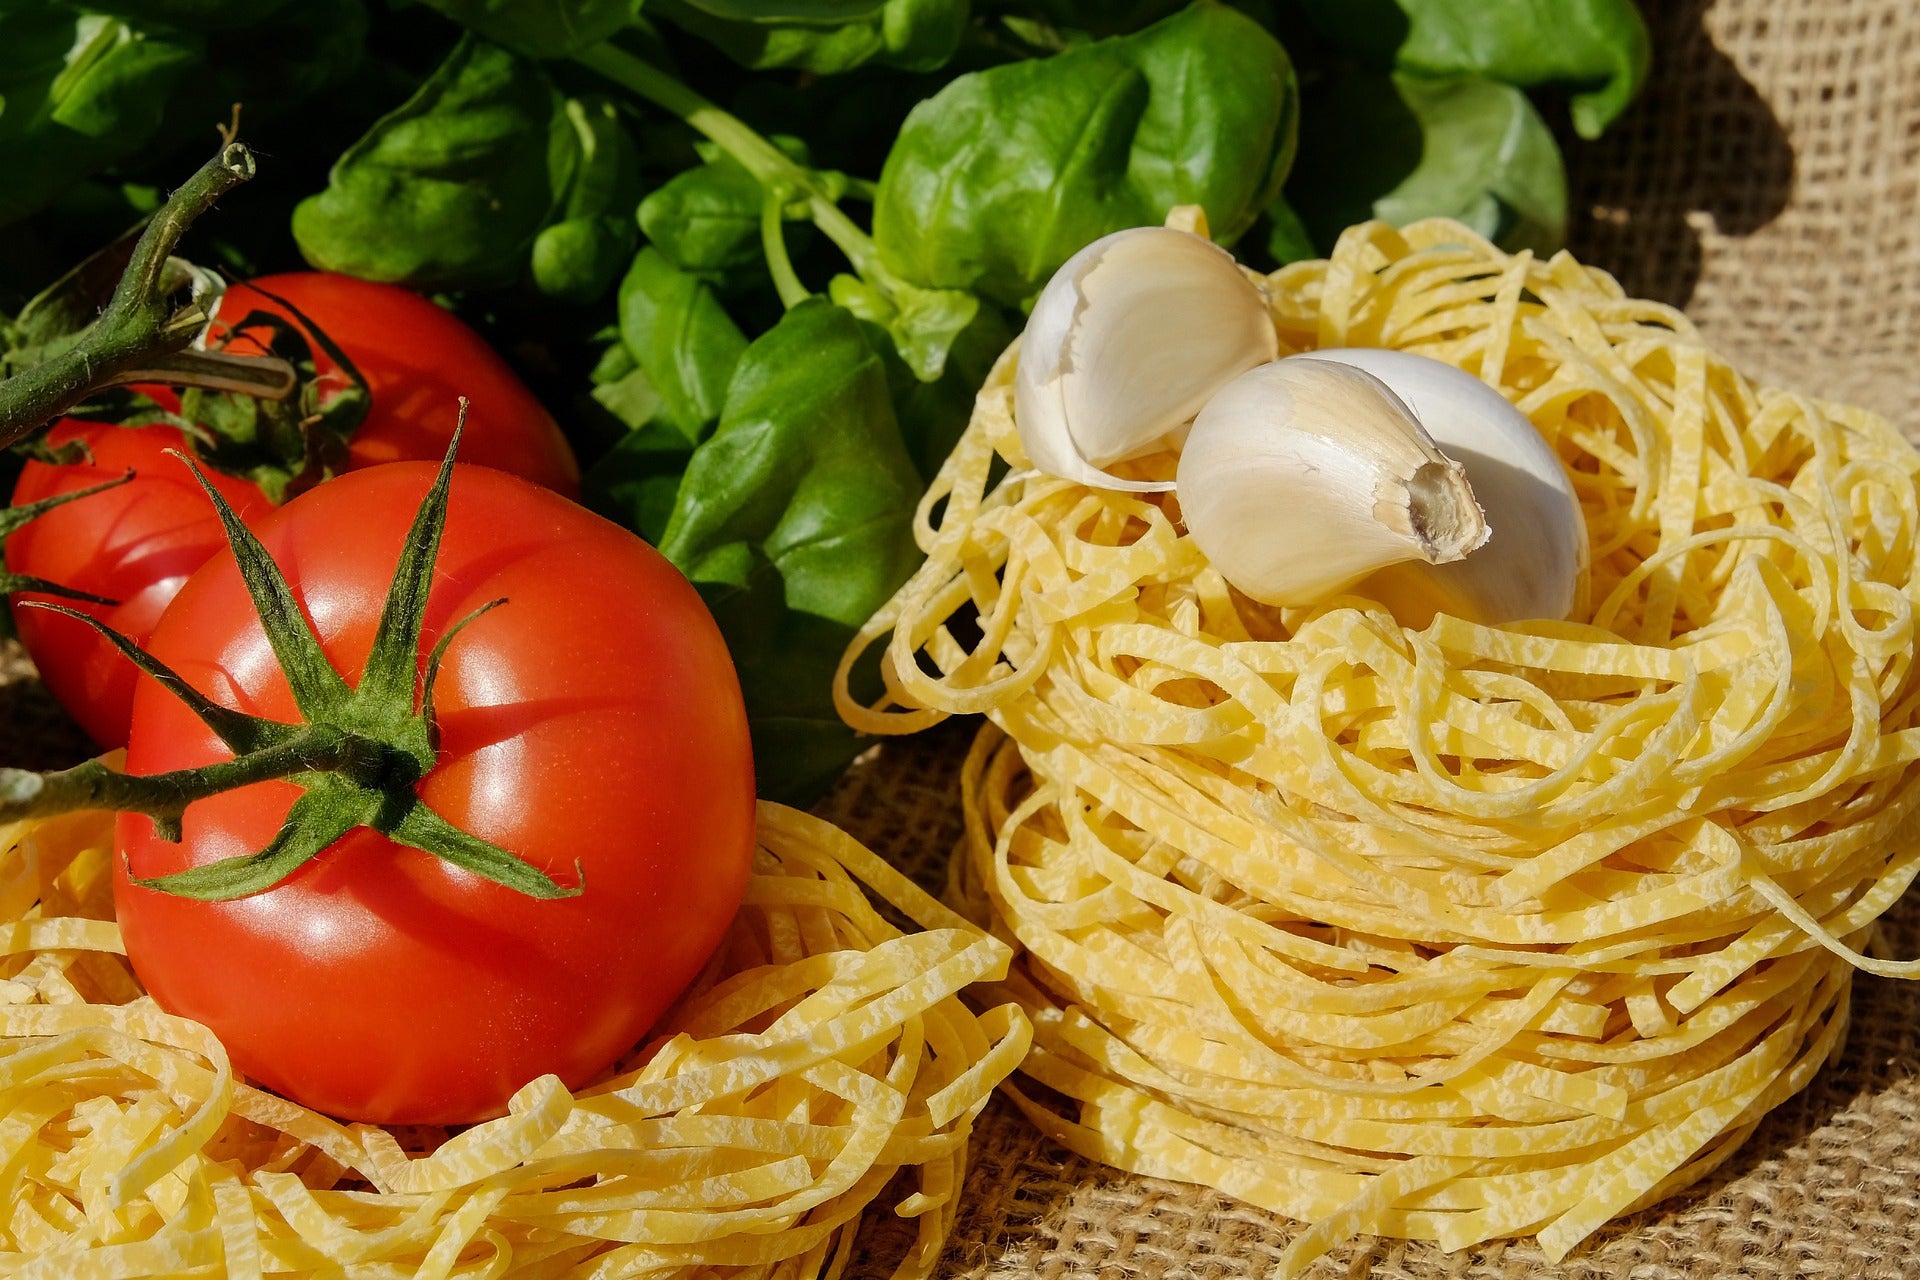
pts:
pixel 1125 344
pixel 1535 564
pixel 1304 476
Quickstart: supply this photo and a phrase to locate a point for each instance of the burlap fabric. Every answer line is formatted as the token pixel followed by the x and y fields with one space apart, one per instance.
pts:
pixel 1769 181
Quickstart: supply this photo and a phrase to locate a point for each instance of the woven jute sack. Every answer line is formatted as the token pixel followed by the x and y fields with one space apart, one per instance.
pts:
pixel 1769 182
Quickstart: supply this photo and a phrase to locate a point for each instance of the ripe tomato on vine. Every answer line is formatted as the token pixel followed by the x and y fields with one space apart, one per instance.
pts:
pixel 546 838
pixel 137 544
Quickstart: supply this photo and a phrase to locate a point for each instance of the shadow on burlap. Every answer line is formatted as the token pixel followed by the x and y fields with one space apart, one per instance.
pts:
pixel 1768 181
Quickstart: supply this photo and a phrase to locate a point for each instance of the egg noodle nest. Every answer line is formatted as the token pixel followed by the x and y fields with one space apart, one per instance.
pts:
pixel 823 1052
pixel 1458 933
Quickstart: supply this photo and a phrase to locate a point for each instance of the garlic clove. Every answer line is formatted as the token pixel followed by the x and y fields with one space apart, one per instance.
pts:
pixel 1535 564
pixel 1125 344
pixel 1303 476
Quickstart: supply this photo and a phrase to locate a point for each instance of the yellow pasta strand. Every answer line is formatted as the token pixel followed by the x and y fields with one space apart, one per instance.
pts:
pixel 1460 933
pixel 823 1052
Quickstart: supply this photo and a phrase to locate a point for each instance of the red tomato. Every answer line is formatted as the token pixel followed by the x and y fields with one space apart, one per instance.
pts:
pixel 138 543
pixel 418 360
pixel 593 718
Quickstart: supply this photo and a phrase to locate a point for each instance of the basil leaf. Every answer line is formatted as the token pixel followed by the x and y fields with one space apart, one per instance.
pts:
pixel 922 325
pixel 706 219
pixel 929 322
pixel 577 258
pixel 795 519
pixel 622 388
pixel 1288 239
pixel 825 38
pixel 192 15
pixel 680 335
pixel 1001 176
pixel 606 171
pixel 450 189
pixel 1599 49
pixel 806 467
pixel 1403 148
pixel 79 92
pixel 783 11
pixel 541 28
pixel 933 414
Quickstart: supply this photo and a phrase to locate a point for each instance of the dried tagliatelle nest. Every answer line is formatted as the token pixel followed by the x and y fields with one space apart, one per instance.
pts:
pixel 823 1053
pixel 1460 932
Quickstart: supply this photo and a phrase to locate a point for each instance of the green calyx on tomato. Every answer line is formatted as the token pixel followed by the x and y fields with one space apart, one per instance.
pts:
pixel 269 397
pixel 11 518
pixel 366 375
pixel 283 445
pixel 288 445
pixel 358 753
pixel 68 344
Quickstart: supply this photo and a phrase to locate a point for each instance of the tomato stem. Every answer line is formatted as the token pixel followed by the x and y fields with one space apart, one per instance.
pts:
pixel 214 371
pixel 140 331
pixel 12 518
pixel 358 752
pixel 165 796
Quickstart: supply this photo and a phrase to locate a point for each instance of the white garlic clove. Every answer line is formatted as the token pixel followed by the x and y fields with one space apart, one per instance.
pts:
pixel 1125 344
pixel 1535 564
pixel 1303 476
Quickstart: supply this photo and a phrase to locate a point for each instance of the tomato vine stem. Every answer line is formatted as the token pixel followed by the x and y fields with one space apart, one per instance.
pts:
pixel 164 797
pixel 140 334
pixel 357 752
pixel 13 518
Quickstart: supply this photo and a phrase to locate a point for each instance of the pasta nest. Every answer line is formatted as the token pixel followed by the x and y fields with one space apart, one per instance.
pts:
pixel 823 1052
pixel 1458 933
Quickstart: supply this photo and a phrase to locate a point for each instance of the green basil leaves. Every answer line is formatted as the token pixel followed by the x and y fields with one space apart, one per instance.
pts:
pixel 1597 49
pixel 795 519
pixel 80 92
pixel 1403 148
pixel 768 290
pixel 825 37
pixel 576 258
pixel 450 189
pixel 681 338
pixel 541 28
pixel 1001 176
pixel 485 175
